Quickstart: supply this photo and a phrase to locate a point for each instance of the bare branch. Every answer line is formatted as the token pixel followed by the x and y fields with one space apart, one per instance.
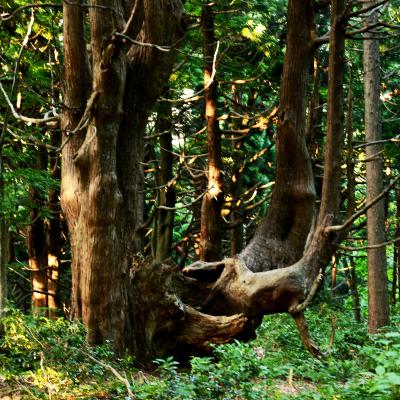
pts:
pixel 366 9
pixel 184 205
pixel 370 246
pixel 20 117
pixel 7 16
pixel 350 220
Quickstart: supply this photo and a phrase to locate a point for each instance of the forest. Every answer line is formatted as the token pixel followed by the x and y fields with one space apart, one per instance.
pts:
pixel 199 200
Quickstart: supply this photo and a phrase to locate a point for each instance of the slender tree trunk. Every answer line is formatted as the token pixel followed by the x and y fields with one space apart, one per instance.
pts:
pixel 36 243
pixel 164 221
pixel 236 186
pixel 314 113
pixel 396 252
pixel 378 303
pixel 53 233
pixel 3 265
pixel 350 268
pixel 210 232
pixel 3 240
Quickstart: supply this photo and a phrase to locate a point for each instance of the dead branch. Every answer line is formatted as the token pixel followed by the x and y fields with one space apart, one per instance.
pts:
pixel 20 117
pixel 371 246
pixel 350 220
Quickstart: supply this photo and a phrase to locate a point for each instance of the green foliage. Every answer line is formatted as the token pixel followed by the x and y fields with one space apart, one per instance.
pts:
pixel 45 359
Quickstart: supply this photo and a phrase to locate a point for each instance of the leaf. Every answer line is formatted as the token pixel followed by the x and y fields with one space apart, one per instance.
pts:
pixel 380 370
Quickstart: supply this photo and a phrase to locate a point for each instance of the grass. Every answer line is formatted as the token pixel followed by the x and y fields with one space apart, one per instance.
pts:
pixel 44 359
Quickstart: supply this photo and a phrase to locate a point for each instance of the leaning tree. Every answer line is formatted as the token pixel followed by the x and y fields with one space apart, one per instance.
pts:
pixel 153 309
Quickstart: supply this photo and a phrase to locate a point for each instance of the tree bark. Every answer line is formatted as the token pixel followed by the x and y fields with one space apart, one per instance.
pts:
pixel 53 233
pixel 210 231
pixel 279 241
pixel 164 221
pixel 378 303
pixel 36 243
pixel 102 176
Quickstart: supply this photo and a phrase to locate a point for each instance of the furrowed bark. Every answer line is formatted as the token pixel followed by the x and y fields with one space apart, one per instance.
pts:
pixel 280 238
pixel 104 201
pixel 378 302
pixel 76 88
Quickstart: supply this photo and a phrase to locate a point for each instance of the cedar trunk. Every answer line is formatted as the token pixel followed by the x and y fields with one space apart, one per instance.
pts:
pixel 164 221
pixel 102 177
pixel 210 231
pixel 378 302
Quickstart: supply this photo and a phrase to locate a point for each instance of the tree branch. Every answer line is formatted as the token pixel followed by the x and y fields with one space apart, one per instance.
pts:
pixel 350 220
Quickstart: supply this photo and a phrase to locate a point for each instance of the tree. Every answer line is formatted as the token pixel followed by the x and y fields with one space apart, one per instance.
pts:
pixel 110 87
pixel 107 101
pixel 378 301
pixel 210 232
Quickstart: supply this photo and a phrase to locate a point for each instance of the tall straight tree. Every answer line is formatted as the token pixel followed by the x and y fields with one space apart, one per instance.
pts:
pixel 3 240
pixel 164 220
pixel 210 231
pixel 378 301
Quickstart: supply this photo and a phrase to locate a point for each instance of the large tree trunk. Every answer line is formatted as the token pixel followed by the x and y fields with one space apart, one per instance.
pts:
pixel 210 231
pixel 378 302
pixel 280 238
pixel 102 178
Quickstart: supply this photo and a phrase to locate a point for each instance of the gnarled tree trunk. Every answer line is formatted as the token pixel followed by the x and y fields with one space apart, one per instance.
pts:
pixel 163 311
pixel 102 179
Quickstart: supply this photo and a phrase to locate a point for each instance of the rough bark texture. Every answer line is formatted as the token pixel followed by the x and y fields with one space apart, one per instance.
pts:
pixel 102 176
pixel 280 238
pixel 164 311
pixel 210 231
pixel 378 302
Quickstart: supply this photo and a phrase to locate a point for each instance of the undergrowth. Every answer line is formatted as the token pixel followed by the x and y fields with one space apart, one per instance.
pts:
pixel 44 359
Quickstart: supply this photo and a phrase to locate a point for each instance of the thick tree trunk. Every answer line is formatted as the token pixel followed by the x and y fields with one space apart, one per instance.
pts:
pixel 210 231
pixel 378 302
pixel 169 312
pixel 280 238
pixel 102 177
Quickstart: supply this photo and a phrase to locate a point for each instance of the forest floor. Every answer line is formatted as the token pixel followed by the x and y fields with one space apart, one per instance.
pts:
pixel 43 359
